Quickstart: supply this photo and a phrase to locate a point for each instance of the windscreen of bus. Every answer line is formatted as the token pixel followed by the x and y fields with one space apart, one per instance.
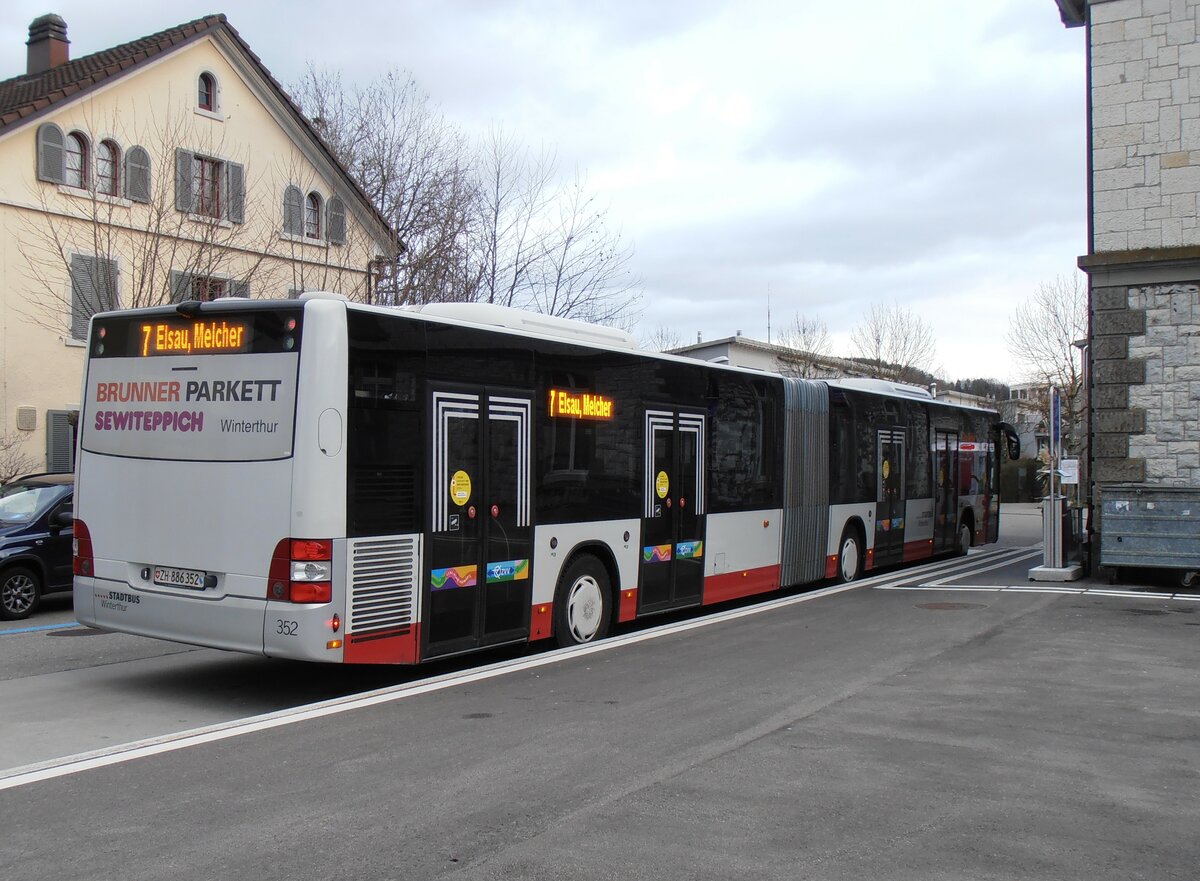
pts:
pixel 214 386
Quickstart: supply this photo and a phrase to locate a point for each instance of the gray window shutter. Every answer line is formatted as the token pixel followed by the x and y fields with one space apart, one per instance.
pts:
pixel 60 442
pixel 181 286
pixel 336 222
pixel 293 211
pixel 137 175
pixel 51 153
pixel 239 289
pixel 93 290
pixel 236 181
pixel 184 160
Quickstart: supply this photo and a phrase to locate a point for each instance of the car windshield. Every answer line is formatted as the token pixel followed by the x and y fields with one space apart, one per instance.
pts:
pixel 21 503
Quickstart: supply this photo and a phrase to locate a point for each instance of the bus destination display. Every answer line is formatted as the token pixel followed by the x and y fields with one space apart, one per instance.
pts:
pixel 201 337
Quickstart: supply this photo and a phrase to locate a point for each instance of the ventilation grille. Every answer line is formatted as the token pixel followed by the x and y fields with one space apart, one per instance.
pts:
pixel 382 587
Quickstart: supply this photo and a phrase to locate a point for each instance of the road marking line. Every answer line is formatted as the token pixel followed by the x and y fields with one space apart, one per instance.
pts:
pixel 9 632
pixel 127 752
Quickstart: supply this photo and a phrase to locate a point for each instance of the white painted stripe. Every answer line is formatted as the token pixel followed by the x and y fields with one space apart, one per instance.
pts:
pixel 1022 588
pixel 128 752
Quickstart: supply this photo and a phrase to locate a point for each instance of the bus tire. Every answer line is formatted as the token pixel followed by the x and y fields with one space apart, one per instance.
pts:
pixel 966 537
pixel 20 593
pixel 850 556
pixel 582 602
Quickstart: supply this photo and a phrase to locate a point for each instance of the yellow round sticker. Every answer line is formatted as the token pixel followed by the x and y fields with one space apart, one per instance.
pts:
pixel 662 484
pixel 887 469
pixel 460 488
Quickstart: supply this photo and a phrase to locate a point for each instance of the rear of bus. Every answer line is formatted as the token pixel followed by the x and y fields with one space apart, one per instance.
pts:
pixel 191 523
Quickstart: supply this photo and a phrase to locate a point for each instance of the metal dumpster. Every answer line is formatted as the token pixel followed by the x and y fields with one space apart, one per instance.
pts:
pixel 1150 526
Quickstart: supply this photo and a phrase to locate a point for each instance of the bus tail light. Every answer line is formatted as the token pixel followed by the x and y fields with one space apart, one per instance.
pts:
pixel 301 571
pixel 81 549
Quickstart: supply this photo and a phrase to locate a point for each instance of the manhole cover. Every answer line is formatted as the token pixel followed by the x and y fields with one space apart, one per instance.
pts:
pixel 76 631
pixel 950 607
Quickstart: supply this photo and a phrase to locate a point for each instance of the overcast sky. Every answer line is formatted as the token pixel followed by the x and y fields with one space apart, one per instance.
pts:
pixel 829 154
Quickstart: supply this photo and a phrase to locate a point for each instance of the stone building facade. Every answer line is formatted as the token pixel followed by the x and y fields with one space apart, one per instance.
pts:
pixel 1143 260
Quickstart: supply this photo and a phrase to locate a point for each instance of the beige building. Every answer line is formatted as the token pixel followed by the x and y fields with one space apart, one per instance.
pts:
pixel 169 168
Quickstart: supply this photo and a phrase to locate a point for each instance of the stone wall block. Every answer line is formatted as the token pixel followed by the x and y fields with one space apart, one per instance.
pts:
pixel 1110 298
pixel 1109 348
pixel 1126 421
pixel 1127 321
pixel 1119 470
pixel 1110 397
pixel 1110 446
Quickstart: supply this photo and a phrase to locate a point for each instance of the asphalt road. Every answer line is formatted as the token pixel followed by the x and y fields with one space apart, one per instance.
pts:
pixel 907 732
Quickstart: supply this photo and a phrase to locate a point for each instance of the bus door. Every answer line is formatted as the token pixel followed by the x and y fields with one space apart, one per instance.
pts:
pixel 889 514
pixel 672 566
pixel 945 495
pixel 477 571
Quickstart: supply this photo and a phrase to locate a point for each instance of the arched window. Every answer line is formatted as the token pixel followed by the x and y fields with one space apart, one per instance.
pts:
pixel 75 171
pixel 312 216
pixel 108 168
pixel 207 99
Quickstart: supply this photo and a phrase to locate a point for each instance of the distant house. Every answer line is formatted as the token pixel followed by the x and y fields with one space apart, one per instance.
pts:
pixel 1143 259
pixel 742 351
pixel 168 168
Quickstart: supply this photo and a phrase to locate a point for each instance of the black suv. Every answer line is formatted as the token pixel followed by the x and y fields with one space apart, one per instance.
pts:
pixel 36 520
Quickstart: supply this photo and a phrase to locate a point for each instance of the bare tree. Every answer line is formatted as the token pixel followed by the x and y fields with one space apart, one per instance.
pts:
pixel 808 338
pixel 1041 338
pixel 662 339
pixel 513 188
pixel 14 461
pixel 415 168
pixel 894 344
pixel 485 224
pixel 582 267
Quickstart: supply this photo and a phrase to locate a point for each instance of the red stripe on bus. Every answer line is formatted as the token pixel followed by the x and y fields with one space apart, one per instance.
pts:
pixel 627 610
pixel 734 585
pixel 918 550
pixel 541 621
pixel 400 648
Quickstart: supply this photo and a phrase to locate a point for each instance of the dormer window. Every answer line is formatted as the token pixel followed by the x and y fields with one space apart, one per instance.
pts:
pixel 76 161
pixel 207 99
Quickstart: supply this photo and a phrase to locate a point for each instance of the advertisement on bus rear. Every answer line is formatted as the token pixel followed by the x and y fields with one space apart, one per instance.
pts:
pixel 235 408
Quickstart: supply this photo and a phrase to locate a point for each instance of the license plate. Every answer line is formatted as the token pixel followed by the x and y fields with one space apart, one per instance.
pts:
pixel 168 576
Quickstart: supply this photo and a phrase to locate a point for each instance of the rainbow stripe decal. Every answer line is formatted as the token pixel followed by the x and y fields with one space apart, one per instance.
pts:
pixel 657 554
pixel 689 550
pixel 453 576
pixel 509 570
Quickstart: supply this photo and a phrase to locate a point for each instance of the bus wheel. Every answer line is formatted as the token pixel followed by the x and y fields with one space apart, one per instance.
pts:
pixel 849 556
pixel 582 603
pixel 19 593
pixel 965 537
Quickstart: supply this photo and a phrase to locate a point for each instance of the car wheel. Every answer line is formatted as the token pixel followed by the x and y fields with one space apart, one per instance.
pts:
pixel 849 556
pixel 582 603
pixel 20 593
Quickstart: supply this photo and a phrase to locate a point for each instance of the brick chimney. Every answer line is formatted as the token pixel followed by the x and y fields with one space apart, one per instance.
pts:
pixel 48 44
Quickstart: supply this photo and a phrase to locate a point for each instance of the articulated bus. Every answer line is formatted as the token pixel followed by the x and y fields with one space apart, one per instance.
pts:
pixel 329 481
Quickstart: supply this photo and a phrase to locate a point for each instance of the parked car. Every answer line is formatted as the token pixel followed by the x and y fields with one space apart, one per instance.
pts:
pixel 36 528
